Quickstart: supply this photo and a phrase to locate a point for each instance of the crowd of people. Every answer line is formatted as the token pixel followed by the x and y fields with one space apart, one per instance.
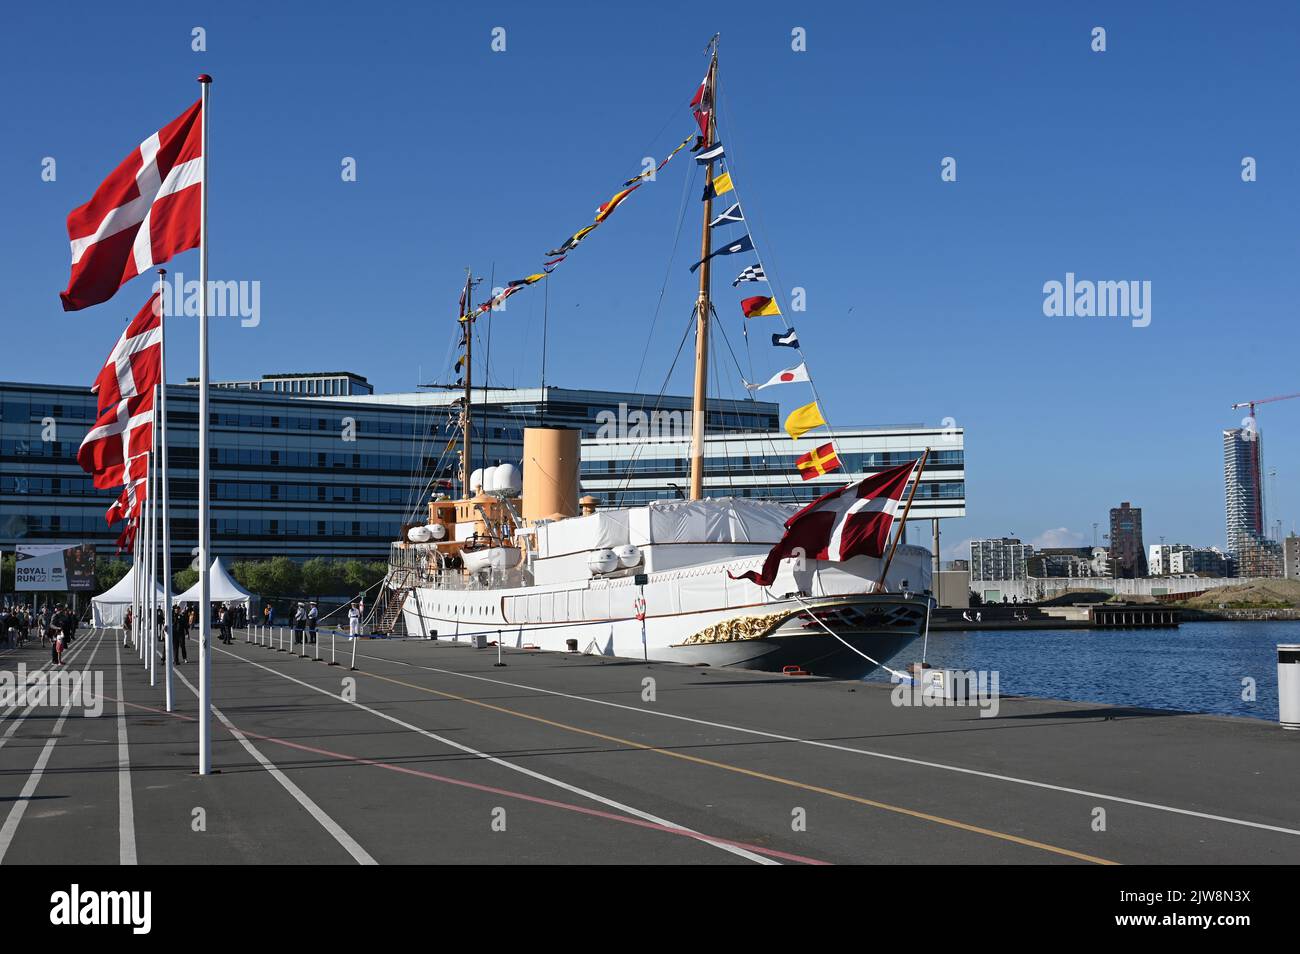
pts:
pixel 226 618
pixel 55 625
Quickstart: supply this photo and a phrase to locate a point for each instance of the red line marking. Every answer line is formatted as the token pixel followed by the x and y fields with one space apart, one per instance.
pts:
pixel 567 806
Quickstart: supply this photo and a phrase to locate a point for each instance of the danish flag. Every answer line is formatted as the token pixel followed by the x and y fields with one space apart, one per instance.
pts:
pixel 852 521
pixel 146 211
pixel 128 505
pixel 134 365
pixel 122 432
pixel 126 539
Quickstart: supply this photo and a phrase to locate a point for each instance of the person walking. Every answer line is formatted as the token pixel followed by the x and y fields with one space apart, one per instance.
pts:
pixel 226 622
pixel 160 618
pixel 180 636
pixel 313 617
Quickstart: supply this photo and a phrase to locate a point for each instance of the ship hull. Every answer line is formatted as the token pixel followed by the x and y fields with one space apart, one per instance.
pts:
pixel 843 637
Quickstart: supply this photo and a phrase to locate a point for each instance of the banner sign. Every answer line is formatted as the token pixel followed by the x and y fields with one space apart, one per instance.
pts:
pixel 55 567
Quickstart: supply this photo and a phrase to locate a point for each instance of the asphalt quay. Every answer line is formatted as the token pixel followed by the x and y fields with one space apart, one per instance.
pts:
pixel 431 753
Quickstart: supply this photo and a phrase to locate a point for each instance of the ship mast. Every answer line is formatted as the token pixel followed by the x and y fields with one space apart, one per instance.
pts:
pixel 702 307
pixel 467 416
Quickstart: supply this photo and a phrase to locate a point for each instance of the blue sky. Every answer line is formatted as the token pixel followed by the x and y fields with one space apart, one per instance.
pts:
pixel 924 297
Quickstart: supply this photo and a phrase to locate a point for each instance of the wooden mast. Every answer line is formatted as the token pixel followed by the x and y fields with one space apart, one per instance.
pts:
pixel 700 395
pixel 467 417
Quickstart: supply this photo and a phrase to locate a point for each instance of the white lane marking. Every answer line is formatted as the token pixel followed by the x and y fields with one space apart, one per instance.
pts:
pixel 125 805
pixel 68 657
pixel 20 806
pixel 348 843
pixel 942 766
pixel 644 816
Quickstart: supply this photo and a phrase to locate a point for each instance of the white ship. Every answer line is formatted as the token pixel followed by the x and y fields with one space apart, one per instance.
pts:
pixel 524 559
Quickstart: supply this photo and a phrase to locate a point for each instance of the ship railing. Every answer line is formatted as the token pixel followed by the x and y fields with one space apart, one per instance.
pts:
pixel 411 566
pixel 481 580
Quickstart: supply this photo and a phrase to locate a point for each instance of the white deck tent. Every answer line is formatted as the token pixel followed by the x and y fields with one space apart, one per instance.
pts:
pixel 109 607
pixel 222 588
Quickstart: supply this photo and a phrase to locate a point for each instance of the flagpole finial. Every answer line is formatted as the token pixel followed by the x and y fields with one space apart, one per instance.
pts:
pixel 205 78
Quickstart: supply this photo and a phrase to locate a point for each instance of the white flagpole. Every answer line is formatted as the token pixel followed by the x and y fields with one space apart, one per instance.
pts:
pixel 170 625
pixel 153 548
pixel 135 579
pixel 205 556
pixel 146 645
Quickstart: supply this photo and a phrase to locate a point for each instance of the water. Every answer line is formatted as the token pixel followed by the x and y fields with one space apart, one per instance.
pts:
pixel 1198 667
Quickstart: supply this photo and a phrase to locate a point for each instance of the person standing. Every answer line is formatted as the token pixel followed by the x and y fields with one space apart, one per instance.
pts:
pixel 180 635
pixel 354 621
pixel 268 614
pixel 299 623
pixel 313 617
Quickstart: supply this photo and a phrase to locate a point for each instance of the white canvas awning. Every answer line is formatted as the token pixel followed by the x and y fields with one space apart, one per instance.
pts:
pixel 109 607
pixel 222 588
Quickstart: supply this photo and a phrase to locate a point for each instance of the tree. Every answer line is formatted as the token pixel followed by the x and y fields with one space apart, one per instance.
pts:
pixel 320 577
pixel 108 573
pixel 184 579
pixel 358 576
pixel 276 579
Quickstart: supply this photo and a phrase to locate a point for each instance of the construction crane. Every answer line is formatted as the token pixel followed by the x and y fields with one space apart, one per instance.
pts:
pixel 1267 400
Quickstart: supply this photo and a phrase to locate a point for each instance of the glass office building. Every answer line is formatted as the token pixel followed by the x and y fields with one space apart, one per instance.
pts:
pixel 302 473
pixel 762 466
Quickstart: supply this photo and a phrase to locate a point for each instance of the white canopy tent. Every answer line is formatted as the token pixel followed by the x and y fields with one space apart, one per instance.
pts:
pixel 223 588
pixel 109 608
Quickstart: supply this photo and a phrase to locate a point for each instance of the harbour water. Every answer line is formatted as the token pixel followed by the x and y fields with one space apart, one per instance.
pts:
pixel 1198 667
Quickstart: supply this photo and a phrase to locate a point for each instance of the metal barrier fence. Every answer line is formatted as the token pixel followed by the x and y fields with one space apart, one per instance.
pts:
pixel 273 637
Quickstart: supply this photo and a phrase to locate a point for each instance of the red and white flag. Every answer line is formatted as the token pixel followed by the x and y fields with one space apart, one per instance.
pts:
pixel 701 105
pixel 789 376
pixel 128 505
pixel 126 539
pixel 122 432
pixel 146 211
pixel 852 521
pixel 134 365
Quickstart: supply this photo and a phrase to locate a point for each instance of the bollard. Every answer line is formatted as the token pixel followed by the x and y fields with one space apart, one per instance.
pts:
pixel 281 649
pixel 333 661
pixel 1288 685
pixel 317 647
pixel 354 654
pixel 499 662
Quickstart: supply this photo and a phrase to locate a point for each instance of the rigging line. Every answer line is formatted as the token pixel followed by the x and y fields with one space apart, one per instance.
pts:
pixel 813 616
pixel 726 458
pixel 636 451
pixel 487 371
pixel 546 312
pixel 427 430
pixel 776 290
pixel 640 446
pixel 764 436
pixel 687 180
